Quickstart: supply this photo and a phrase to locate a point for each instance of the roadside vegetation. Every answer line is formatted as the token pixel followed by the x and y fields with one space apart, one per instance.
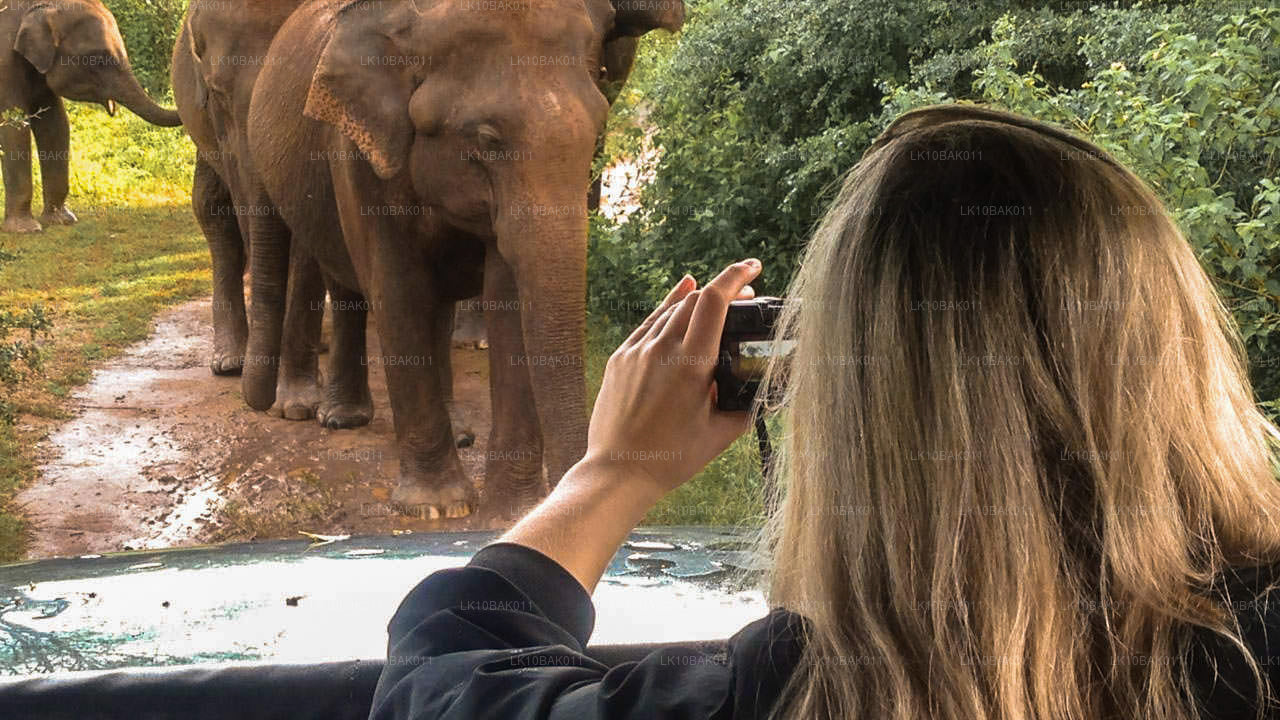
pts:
pixel 73 296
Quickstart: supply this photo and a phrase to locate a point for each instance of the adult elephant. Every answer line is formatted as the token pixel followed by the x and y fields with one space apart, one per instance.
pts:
pixel 219 51
pixel 50 50
pixel 216 60
pixel 457 138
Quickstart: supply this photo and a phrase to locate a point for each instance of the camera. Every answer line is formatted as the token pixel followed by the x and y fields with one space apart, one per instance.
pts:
pixel 746 346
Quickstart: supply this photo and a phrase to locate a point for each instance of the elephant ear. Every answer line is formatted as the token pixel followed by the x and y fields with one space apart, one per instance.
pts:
pixel 633 18
pixel 197 80
pixel 637 17
pixel 367 101
pixel 37 41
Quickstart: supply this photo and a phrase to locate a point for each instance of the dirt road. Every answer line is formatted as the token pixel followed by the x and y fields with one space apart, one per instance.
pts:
pixel 163 453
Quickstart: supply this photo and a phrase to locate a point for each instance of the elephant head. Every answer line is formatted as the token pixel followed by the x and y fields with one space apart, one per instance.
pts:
pixel 485 105
pixel 76 46
pixel 488 112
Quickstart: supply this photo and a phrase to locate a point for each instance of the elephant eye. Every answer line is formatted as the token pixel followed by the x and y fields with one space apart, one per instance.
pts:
pixel 489 137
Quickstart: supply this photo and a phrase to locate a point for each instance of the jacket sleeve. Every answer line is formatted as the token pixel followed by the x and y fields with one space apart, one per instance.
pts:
pixel 1224 684
pixel 502 639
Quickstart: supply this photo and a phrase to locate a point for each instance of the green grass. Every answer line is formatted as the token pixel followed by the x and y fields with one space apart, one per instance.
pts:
pixel 135 251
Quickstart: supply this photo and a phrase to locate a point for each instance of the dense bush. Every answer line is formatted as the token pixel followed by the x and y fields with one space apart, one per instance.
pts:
pixel 761 106
pixel 150 28
pixel 1196 116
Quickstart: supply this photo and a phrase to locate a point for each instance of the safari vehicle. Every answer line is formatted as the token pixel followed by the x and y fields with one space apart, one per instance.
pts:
pixel 296 629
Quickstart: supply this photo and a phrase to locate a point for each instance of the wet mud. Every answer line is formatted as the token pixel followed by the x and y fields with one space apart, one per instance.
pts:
pixel 162 453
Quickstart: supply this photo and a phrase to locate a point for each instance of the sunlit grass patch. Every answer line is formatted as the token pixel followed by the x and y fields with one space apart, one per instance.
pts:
pixel 136 250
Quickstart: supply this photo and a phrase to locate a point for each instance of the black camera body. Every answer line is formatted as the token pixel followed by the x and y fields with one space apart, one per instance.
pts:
pixel 746 346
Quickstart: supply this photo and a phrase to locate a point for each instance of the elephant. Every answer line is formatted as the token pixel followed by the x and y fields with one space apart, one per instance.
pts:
pixel 455 140
pixel 216 61
pixel 50 50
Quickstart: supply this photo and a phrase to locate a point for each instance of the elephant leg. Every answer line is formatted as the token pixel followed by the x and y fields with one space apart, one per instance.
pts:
pixel 298 386
pixel 513 460
pixel 215 211
pixel 432 480
pixel 269 243
pixel 347 401
pixel 442 355
pixel 53 138
pixel 15 142
pixel 442 348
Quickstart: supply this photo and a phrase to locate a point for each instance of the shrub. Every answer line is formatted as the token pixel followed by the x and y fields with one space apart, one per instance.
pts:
pixel 20 354
pixel 150 28
pixel 762 106
pixel 1198 117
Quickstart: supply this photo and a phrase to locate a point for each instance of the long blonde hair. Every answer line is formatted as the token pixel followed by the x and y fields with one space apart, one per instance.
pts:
pixel 1020 443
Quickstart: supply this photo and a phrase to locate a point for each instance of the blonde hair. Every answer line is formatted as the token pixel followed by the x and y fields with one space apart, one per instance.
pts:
pixel 1020 443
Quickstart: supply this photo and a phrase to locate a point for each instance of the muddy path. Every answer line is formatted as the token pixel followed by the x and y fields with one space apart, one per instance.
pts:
pixel 162 453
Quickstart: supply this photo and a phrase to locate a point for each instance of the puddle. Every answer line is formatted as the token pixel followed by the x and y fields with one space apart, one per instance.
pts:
pixel 159 446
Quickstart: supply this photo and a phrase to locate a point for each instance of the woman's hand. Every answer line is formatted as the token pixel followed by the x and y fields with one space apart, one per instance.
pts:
pixel 655 419
pixel 655 424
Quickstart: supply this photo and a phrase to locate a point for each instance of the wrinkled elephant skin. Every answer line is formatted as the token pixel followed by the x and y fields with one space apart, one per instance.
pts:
pixel 216 61
pixel 454 142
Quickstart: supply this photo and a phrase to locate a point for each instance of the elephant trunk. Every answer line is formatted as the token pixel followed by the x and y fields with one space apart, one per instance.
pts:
pixel 548 256
pixel 131 95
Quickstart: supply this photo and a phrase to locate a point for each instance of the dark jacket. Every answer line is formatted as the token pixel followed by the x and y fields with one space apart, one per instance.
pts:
pixel 502 639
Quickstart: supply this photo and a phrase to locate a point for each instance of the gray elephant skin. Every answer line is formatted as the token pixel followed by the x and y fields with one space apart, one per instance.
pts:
pixel 426 152
pixel 216 61
pixel 50 50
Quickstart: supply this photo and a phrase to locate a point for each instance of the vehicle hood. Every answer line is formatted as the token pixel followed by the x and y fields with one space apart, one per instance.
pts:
pixel 303 601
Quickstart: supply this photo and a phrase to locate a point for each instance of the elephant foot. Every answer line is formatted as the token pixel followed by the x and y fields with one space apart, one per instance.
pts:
pixel 20 224
pixel 296 398
pixel 228 345
pixel 451 499
pixel 340 415
pixel 227 363
pixel 58 216
pixel 228 358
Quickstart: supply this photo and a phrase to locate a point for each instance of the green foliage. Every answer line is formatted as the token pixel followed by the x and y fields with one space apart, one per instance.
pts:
pixel 761 106
pixel 14 117
pixel 1196 116
pixel 150 28
pixel 758 110
pixel 123 161
pixel 15 353
pixel 19 350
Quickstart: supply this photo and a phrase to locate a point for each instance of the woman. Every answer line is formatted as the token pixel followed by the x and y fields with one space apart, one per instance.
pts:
pixel 1024 475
